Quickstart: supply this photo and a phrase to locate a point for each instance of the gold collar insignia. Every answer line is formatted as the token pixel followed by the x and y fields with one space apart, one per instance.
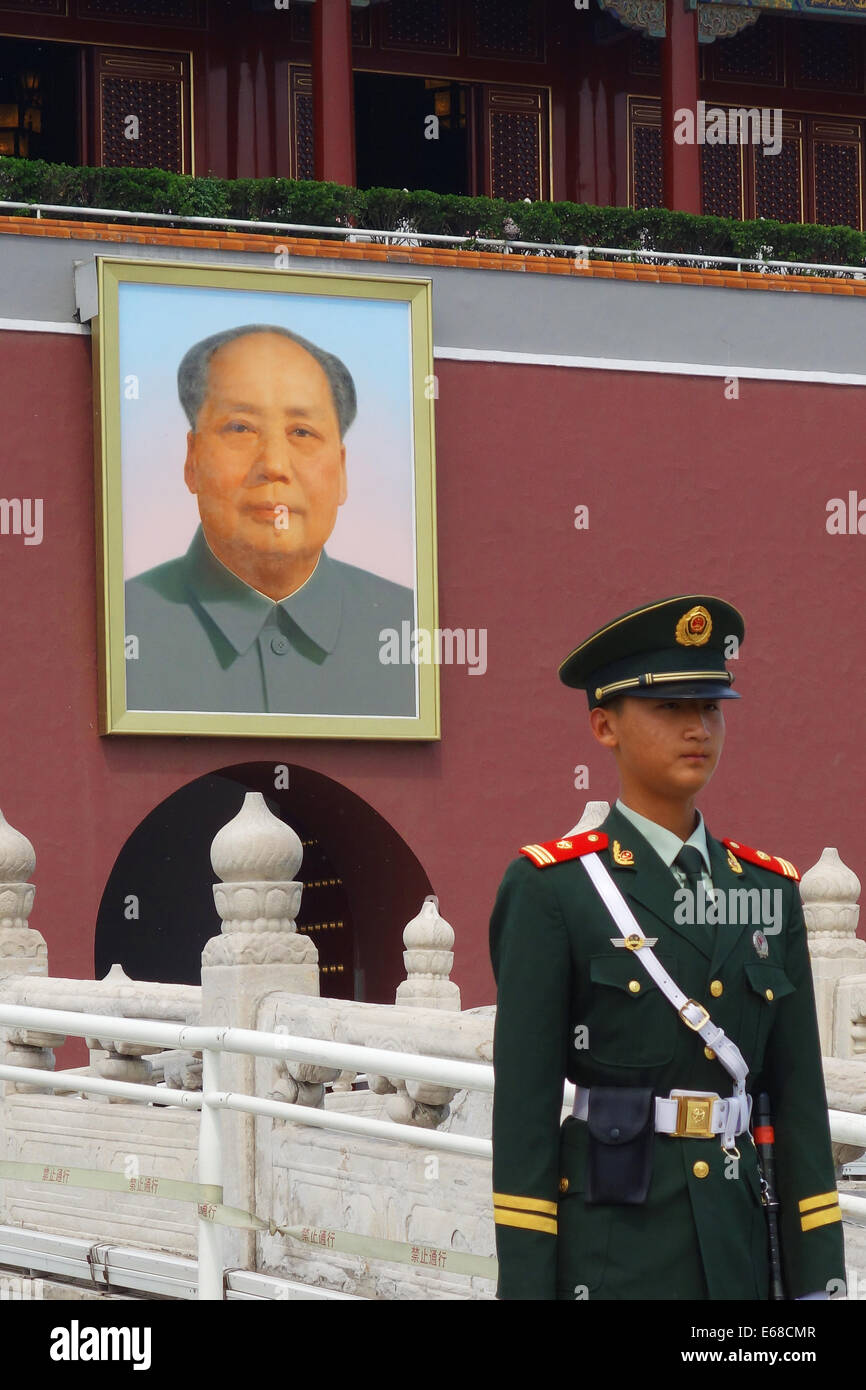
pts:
pixel 734 864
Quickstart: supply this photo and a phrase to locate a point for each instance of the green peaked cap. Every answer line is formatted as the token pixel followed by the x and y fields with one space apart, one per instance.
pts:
pixel 675 648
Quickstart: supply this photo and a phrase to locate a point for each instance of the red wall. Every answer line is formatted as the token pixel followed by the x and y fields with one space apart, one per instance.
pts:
pixel 687 492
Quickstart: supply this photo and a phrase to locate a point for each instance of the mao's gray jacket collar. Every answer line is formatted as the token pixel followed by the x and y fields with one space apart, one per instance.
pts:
pixel 241 612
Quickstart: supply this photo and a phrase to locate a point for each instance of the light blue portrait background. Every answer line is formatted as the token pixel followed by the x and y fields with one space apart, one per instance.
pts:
pixel 158 323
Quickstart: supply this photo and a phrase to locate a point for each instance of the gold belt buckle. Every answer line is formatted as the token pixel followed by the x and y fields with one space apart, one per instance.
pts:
pixel 694 1117
pixel 695 1027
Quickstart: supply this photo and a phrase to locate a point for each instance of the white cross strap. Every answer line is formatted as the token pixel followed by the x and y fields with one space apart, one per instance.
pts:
pixel 693 1015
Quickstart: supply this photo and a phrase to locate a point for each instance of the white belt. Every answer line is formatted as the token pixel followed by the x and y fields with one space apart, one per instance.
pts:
pixel 688 1114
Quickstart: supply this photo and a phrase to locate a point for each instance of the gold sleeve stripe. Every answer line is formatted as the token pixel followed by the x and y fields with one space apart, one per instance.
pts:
pixel 525 1219
pixel 824 1199
pixel 536 1204
pixel 531 853
pixel 788 867
pixel 539 854
pixel 821 1218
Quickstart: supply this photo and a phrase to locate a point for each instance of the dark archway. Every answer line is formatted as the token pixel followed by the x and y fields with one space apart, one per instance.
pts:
pixel 362 882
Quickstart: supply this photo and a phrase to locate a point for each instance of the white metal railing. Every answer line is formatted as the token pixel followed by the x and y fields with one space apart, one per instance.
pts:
pixel 210 1100
pixel 845 1128
pixel 128 1269
pixel 409 235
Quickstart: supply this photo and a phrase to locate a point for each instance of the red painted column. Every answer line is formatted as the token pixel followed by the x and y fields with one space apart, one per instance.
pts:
pixel 333 92
pixel 681 163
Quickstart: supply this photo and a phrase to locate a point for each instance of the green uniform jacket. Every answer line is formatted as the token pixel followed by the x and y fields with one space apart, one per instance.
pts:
pixel 572 1004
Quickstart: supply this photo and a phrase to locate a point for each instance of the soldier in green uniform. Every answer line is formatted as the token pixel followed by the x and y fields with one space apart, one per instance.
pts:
pixel 646 999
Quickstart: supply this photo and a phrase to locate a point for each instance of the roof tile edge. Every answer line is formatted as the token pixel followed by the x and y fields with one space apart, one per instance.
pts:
pixel 447 258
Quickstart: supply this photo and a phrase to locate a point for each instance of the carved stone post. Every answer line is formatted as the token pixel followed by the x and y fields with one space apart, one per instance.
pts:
pixel 258 952
pixel 22 951
pixel 428 958
pixel 830 891
pixel 594 813
pixel 120 1061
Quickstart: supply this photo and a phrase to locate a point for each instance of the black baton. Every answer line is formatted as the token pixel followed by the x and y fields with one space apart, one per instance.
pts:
pixel 764 1140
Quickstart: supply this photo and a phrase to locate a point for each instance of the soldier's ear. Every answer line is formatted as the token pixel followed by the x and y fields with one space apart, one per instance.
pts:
pixel 602 721
pixel 189 469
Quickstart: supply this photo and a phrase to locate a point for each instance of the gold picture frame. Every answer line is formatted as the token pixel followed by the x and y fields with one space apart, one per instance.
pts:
pixel 151 313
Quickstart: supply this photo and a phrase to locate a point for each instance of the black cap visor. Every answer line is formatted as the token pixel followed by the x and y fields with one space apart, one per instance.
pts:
pixel 679 690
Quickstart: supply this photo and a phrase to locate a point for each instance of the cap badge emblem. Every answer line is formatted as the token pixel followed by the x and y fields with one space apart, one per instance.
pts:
pixel 694 627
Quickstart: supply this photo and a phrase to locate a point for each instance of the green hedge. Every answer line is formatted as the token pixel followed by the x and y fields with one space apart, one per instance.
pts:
pixel 389 209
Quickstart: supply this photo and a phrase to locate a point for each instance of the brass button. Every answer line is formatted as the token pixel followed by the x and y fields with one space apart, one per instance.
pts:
pixel 709 1054
pixel 563 1184
pixel 716 988
pixel 592 838
pixel 769 995
pixel 701 1169
pixel 634 986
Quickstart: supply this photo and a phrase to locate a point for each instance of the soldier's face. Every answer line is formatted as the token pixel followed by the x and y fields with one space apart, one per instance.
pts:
pixel 670 747
pixel 265 460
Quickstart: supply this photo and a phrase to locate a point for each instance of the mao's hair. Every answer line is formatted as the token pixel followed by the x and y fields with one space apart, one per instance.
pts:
pixel 192 374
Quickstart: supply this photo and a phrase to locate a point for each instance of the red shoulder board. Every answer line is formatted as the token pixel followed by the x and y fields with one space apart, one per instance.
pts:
pixel 762 859
pixel 557 851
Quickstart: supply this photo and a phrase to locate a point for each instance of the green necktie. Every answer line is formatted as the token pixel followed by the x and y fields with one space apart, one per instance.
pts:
pixel 691 862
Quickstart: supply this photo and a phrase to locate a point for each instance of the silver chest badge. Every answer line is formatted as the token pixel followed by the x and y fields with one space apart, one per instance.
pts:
pixel 759 941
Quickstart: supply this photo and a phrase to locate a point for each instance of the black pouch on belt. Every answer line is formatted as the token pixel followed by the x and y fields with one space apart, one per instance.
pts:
pixel 621 1133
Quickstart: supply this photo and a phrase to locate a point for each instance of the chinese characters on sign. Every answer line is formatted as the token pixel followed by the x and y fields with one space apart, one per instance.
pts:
pixel 429 1255
pixel 150 1185
pixel 52 1174
pixel 313 1236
